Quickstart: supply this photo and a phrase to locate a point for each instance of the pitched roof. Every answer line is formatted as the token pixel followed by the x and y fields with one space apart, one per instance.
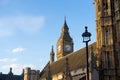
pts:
pixel 76 60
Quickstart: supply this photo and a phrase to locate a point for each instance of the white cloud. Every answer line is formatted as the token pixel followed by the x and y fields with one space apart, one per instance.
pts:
pixel 8 59
pixel 18 50
pixel 26 24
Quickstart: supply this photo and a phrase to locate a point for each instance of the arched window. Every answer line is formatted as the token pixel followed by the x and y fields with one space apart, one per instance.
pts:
pixel 105 4
pixel 107 37
pixel 117 59
pixel 108 60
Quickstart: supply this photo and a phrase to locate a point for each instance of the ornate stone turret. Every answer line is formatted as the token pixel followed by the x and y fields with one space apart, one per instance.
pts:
pixel 30 74
pixel 10 73
pixel 92 60
pixel 67 74
pixel 52 56
pixel 93 70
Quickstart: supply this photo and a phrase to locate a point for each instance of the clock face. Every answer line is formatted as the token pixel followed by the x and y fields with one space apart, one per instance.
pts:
pixel 59 48
pixel 67 47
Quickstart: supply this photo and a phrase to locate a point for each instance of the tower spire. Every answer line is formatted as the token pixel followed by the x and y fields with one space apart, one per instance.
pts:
pixel 65 26
pixel 52 55
pixel 10 73
pixel 64 19
pixel 52 49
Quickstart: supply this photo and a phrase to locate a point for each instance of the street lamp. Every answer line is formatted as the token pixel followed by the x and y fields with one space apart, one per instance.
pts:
pixel 86 38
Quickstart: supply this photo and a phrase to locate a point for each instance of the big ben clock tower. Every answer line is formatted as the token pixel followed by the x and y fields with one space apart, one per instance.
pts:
pixel 65 42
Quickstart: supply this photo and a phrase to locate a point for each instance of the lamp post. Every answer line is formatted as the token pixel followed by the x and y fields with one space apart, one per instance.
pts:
pixel 86 38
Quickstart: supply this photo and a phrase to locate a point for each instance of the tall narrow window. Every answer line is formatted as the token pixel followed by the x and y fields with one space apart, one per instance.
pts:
pixel 107 37
pixel 117 59
pixel 98 7
pixel 105 4
pixel 110 78
pixel 108 60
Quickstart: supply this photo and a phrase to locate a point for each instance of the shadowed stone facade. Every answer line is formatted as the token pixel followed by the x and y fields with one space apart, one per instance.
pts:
pixel 108 38
pixel 11 76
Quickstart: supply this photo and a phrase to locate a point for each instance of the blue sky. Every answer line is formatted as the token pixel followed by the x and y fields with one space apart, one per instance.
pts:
pixel 29 28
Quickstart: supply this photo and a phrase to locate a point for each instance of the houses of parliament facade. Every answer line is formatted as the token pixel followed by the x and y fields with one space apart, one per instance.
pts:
pixel 105 51
pixel 104 54
pixel 108 38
